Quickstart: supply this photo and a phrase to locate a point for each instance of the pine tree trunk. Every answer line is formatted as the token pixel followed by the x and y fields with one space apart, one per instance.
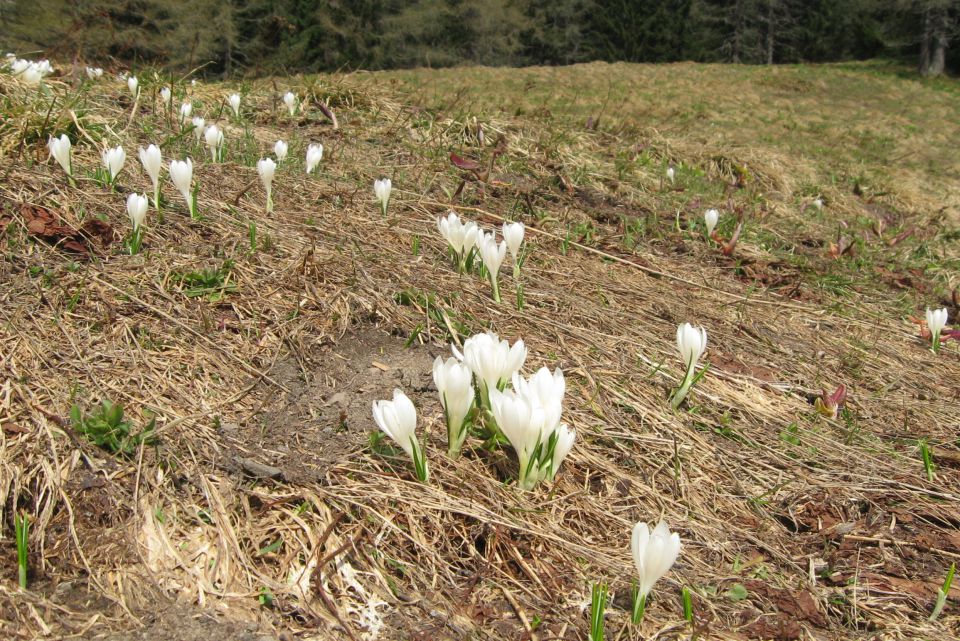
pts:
pixel 737 32
pixel 939 41
pixel 770 28
pixel 924 65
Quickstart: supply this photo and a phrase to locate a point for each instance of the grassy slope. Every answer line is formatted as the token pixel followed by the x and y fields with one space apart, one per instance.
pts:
pixel 802 511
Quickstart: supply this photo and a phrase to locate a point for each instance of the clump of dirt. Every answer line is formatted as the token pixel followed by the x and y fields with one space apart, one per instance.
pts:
pixel 327 415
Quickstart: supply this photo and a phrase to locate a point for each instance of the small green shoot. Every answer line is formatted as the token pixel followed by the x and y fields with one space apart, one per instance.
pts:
pixel 21 526
pixel 942 593
pixel 926 452
pixel 598 606
pixel 252 236
pixel 687 605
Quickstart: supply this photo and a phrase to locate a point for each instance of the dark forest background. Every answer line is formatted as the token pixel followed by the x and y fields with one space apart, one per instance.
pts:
pixel 265 36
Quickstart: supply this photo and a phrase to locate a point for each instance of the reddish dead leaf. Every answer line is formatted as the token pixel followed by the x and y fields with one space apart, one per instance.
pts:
pixel 44 224
pixel 844 245
pixel 329 114
pixel 775 628
pixel 466 164
pixel 732 243
pixel 902 236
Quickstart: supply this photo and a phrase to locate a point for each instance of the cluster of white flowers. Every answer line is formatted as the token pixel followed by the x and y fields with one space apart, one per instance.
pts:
pixel 29 72
pixel 528 416
pixel 466 240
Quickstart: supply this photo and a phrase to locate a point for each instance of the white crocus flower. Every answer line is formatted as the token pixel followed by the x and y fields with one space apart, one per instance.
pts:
pixel 691 343
pixel 290 100
pixel 382 189
pixel 266 168
pixel 513 235
pixel 181 175
pixel 113 160
pixel 133 85
pixel 671 175
pixel 280 151
pixel 710 218
pixel 152 162
pixel 654 553
pixel 60 150
pixel 461 237
pixel 522 423
pixel 398 420
pixel 198 124
pixel 564 443
pixel 214 139
pixel 314 156
pixel 493 256
pixel 165 95
pixel 234 102
pixel 94 73
pixel 137 211
pixel 492 360
pixel 936 321
pixel 186 109
pixel 546 391
pixel 454 382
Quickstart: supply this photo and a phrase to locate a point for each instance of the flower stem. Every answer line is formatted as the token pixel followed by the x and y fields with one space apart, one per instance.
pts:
pixel 496 287
pixel 639 606
pixel 685 386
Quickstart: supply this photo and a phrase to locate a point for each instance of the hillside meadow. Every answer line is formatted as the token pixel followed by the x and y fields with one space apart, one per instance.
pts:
pixel 248 495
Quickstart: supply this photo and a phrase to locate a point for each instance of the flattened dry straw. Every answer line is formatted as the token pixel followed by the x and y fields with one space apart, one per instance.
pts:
pixel 263 500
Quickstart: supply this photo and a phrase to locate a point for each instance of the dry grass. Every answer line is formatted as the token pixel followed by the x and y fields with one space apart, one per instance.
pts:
pixel 831 526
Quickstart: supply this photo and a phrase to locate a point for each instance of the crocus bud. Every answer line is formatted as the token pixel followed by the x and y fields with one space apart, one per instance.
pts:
pixel 454 382
pixel 198 124
pixel 137 209
pixel 314 156
pixel 493 256
pixel 565 440
pixel 280 151
pixel 290 100
pixel 165 95
pixel 382 189
pixel 398 420
pixel 234 102
pixel 266 168
pixel 691 343
pixel 671 175
pixel 133 85
pixel 936 321
pixel 710 218
pixel 522 424
pixel 181 175
pixel 185 110
pixel 60 150
pixel 214 139
pixel 152 162
pixel 653 554
pixel 113 160
pixel 513 235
